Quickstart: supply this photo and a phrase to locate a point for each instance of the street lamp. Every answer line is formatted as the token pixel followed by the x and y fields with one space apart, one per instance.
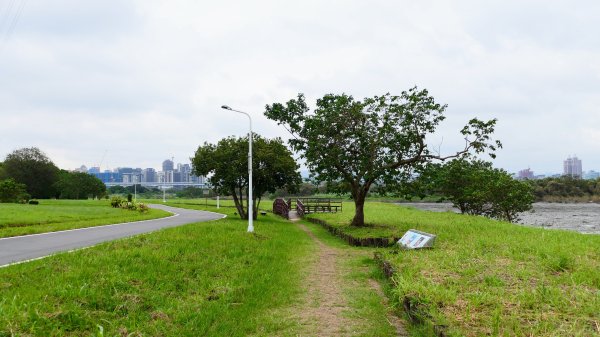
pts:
pixel 250 200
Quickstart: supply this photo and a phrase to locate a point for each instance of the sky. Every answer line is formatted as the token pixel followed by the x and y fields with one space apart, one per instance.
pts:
pixel 132 83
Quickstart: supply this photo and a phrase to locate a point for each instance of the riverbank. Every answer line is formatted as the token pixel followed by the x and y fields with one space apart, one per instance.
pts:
pixel 579 217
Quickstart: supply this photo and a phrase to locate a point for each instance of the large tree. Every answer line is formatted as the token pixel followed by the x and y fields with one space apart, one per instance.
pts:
pixel 376 140
pixel 226 163
pixel 32 167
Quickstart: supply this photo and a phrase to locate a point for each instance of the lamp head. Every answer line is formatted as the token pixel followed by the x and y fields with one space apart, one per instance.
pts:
pixel 226 107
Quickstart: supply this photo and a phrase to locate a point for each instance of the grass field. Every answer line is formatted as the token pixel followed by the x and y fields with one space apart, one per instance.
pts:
pixel 365 308
pixel 56 215
pixel 205 279
pixel 486 277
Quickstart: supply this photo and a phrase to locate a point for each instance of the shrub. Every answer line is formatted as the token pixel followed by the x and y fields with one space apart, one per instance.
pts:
pixel 129 206
pixel 12 191
pixel 129 197
pixel 33 202
pixel 142 208
pixel 116 202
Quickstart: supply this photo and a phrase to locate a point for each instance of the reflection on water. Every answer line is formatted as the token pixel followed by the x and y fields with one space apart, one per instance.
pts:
pixel 584 218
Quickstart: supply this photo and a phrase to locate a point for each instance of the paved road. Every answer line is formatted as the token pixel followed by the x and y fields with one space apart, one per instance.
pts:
pixel 34 246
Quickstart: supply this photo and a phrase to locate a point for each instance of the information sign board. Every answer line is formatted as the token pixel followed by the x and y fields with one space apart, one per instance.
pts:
pixel 414 239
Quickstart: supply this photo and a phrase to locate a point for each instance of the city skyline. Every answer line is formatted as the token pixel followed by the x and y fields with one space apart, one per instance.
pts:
pixel 525 173
pixel 169 173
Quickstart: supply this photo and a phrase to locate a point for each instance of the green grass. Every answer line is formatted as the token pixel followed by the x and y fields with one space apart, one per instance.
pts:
pixel 206 203
pixel 486 277
pixel 204 279
pixel 56 215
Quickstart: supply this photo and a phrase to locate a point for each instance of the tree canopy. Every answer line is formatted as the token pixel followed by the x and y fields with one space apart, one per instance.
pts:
pixel 78 185
pixel 30 166
pixel 376 140
pixel 227 165
pixel 476 188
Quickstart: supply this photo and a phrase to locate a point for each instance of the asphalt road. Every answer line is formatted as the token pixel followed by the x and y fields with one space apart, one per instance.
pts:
pixel 22 248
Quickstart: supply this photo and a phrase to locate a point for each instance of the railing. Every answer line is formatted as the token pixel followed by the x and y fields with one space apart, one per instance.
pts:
pixel 281 208
pixel 320 205
pixel 300 208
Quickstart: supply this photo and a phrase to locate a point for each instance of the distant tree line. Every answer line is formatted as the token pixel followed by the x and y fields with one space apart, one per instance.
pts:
pixel 28 173
pixel 565 189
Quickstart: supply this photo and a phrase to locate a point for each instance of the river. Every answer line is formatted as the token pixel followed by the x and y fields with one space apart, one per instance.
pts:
pixel 583 218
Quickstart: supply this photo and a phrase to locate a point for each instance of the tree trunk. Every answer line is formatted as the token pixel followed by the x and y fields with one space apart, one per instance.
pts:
pixel 359 202
pixel 238 206
pixel 254 209
pixel 256 205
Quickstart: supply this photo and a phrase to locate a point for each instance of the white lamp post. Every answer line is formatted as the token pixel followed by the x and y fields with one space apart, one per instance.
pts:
pixel 250 200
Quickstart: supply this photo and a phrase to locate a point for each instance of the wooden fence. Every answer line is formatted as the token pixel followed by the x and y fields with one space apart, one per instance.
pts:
pixel 319 205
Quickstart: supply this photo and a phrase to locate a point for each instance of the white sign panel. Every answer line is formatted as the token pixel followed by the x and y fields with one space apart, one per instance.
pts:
pixel 414 239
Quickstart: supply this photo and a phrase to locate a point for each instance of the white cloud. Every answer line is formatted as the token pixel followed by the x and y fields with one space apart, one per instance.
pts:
pixel 145 79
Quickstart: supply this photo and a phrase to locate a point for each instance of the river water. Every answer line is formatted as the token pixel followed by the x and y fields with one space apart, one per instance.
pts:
pixel 583 218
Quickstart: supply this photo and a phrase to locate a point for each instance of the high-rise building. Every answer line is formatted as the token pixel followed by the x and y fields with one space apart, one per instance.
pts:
pixel 572 167
pixel 525 174
pixel 149 175
pixel 167 165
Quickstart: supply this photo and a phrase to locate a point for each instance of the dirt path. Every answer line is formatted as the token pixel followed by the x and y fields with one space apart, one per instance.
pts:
pixel 327 310
pixel 326 301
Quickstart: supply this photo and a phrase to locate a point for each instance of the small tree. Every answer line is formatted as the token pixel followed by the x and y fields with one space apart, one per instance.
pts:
pixel 464 183
pixel 378 140
pixel 12 191
pixel 508 197
pixel 475 187
pixel 226 162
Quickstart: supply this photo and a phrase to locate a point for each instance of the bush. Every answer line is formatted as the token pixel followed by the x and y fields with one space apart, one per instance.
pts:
pixel 132 206
pixel 12 191
pixel 33 202
pixel 116 202
pixel 143 208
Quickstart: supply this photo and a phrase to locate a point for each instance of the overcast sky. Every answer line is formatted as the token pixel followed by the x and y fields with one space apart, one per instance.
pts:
pixel 144 80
